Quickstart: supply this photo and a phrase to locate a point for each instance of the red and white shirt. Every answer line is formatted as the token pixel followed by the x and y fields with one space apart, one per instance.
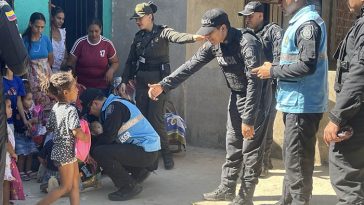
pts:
pixel 93 61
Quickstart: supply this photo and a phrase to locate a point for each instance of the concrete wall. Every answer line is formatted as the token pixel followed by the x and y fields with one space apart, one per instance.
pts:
pixel 24 8
pixel 206 93
pixel 170 12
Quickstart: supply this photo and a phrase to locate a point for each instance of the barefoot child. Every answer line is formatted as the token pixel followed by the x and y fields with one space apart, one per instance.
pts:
pixel 65 124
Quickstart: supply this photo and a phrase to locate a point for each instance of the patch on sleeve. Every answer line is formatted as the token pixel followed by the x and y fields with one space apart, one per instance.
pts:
pixel 11 15
pixel 109 110
pixel 307 32
pixel 278 35
pixel 250 58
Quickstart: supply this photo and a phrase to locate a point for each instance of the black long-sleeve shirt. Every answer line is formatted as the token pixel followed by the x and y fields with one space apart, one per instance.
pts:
pixel 153 47
pixel 349 85
pixel 271 35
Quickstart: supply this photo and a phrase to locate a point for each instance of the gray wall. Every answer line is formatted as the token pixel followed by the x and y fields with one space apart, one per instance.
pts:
pixel 170 12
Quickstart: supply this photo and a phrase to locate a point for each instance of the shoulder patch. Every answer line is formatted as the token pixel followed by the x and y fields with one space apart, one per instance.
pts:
pixel 278 35
pixel 250 58
pixel 307 32
pixel 109 110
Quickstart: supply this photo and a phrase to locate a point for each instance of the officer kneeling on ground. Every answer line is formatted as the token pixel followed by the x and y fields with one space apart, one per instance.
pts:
pixel 128 144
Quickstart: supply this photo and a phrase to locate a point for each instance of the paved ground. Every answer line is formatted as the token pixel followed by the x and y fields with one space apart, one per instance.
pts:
pixel 196 172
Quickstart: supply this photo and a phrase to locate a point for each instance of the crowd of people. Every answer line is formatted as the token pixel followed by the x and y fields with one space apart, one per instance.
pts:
pixel 70 116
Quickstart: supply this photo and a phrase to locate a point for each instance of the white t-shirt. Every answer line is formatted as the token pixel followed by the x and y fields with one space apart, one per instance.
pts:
pixel 59 49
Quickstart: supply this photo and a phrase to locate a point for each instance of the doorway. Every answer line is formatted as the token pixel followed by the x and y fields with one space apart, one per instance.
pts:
pixel 79 14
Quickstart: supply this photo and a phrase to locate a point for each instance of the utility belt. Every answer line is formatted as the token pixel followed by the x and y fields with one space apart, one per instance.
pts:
pixel 163 68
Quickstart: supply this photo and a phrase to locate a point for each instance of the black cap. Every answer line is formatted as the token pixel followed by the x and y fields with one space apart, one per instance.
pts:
pixel 88 96
pixel 211 19
pixel 143 9
pixel 251 7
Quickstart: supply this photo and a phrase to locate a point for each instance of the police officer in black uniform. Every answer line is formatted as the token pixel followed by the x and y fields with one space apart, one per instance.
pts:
pixel 271 36
pixel 236 52
pixel 148 63
pixel 345 131
pixel 14 55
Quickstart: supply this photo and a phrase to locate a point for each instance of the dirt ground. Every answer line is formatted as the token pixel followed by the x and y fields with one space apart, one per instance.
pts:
pixel 196 171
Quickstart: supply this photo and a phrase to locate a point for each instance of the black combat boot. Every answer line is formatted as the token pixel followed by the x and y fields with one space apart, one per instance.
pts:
pixel 245 195
pixel 222 193
pixel 125 193
pixel 264 173
pixel 167 159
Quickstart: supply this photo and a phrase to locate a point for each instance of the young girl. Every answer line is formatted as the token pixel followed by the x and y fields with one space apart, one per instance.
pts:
pixel 24 145
pixel 11 171
pixel 64 122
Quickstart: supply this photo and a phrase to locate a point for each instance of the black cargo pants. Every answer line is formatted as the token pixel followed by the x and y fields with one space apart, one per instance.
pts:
pixel 153 110
pixel 298 156
pixel 241 153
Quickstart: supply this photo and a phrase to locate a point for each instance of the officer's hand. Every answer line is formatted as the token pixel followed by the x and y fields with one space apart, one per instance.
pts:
pixel 199 37
pixel 109 75
pixel 263 71
pixel 154 91
pixel 247 131
pixel 330 133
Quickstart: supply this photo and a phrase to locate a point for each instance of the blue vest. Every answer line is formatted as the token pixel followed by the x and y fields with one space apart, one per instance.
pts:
pixel 307 94
pixel 139 132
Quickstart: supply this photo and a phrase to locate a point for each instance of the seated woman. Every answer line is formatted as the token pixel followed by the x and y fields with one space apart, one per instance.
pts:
pixel 94 59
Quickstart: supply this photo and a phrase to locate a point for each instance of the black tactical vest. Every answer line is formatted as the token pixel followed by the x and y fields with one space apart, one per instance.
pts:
pixel 231 61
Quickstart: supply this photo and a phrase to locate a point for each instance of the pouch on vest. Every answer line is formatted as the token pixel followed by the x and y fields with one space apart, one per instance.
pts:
pixel 341 66
pixel 165 70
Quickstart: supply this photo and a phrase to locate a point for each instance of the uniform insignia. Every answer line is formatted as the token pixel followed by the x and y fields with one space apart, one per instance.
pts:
pixel 250 59
pixel 11 15
pixel 307 32
pixel 248 53
pixel 109 110
pixel 205 21
pixel 278 35
pixel 138 44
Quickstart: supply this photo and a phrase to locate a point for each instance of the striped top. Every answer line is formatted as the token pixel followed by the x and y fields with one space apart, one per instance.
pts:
pixel 93 61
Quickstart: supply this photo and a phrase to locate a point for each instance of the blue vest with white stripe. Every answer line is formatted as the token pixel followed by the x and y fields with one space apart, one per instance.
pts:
pixel 141 133
pixel 306 94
